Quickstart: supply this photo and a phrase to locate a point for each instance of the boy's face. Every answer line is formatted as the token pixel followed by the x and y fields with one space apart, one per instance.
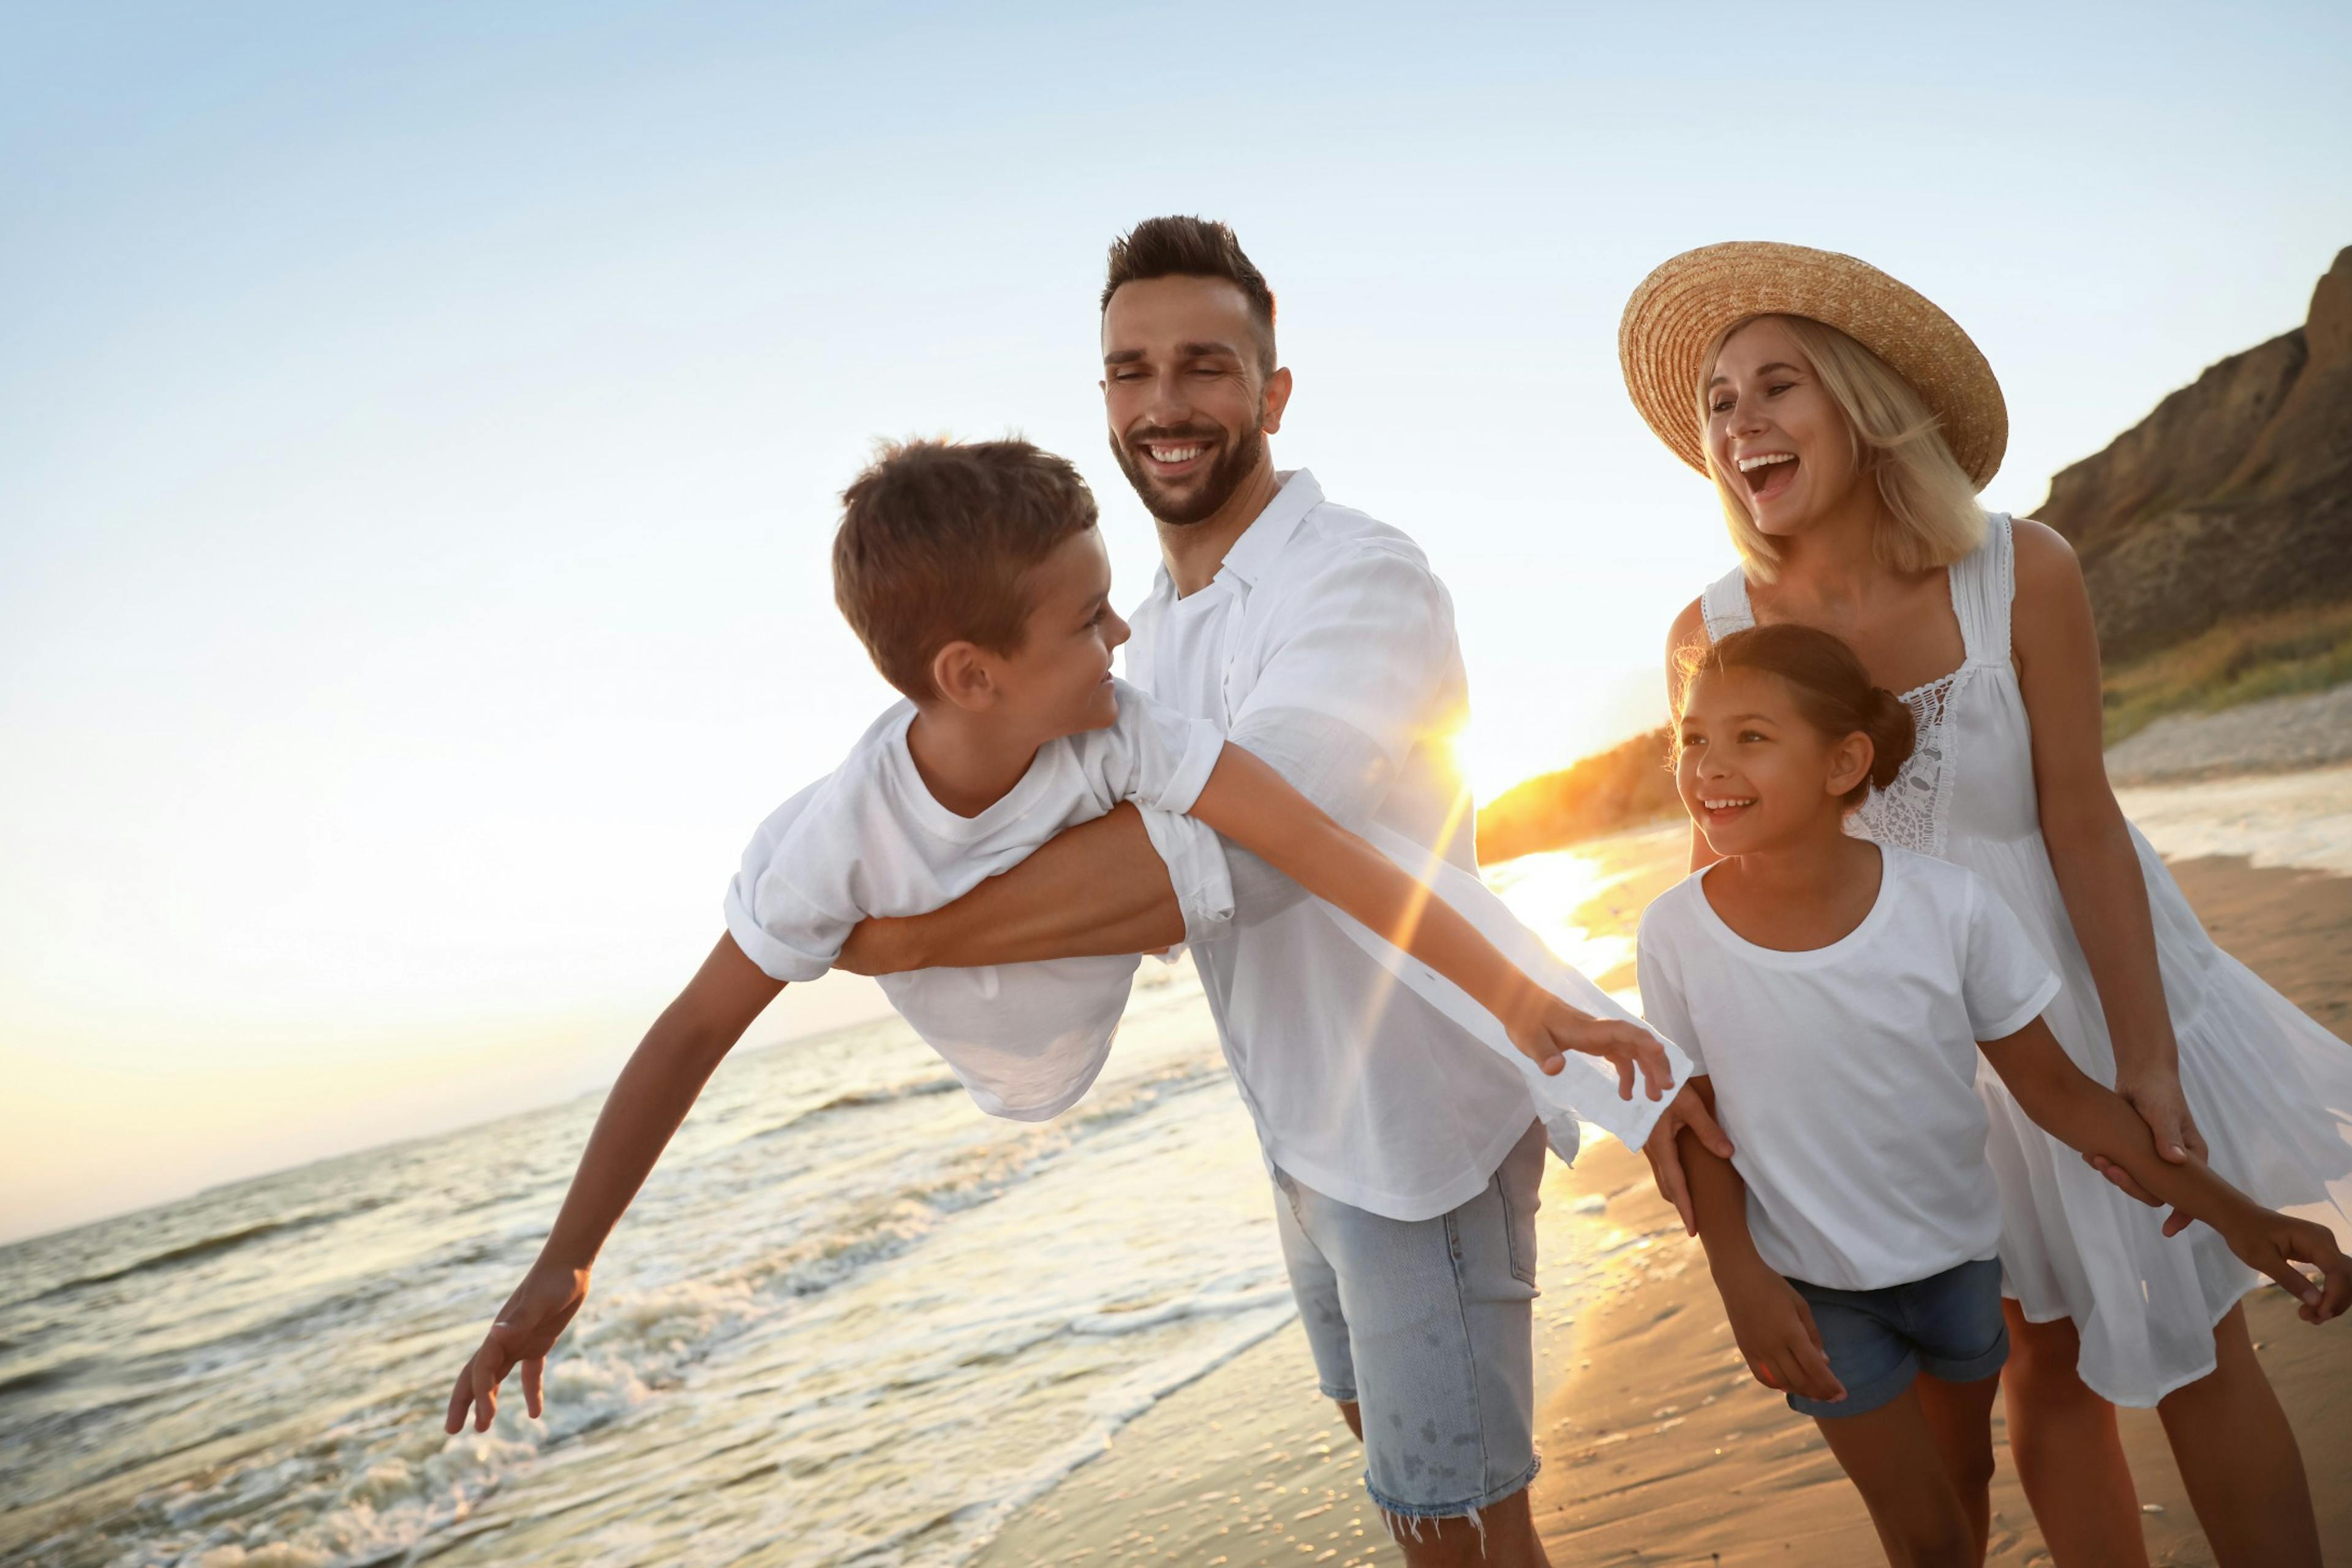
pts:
pixel 1059 682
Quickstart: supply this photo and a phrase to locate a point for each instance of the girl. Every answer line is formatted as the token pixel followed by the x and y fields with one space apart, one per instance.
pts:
pixel 1835 994
pixel 1847 424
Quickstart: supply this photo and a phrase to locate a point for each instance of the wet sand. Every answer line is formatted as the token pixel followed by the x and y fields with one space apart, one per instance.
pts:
pixel 1659 1449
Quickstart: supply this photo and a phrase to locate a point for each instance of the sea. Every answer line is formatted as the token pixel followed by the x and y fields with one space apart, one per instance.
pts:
pixel 850 1319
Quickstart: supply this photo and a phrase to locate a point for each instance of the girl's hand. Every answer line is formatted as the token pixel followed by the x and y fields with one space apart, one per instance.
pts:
pixel 527 1328
pixel 2274 1243
pixel 1776 1334
pixel 1665 1156
pixel 1542 1032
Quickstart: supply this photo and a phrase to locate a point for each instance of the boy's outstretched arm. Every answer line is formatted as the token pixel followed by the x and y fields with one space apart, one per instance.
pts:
pixel 1771 1322
pixel 2092 1118
pixel 647 1101
pixel 1248 803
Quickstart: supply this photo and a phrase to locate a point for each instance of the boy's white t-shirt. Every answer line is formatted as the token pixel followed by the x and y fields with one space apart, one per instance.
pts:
pixel 1026 1039
pixel 1845 1076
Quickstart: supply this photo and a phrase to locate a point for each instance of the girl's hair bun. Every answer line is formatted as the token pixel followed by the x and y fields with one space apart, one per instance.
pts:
pixel 1892 732
pixel 1833 690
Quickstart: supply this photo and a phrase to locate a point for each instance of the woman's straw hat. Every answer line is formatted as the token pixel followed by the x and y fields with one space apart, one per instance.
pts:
pixel 1676 316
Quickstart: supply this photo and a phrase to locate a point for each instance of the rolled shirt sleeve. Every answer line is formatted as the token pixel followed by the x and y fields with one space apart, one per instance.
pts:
pixel 1344 698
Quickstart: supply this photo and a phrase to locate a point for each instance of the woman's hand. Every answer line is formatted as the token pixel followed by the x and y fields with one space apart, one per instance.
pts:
pixel 2155 1094
pixel 1686 1110
pixel 2157 1098
pixel 527 1328
pixel 1776 1334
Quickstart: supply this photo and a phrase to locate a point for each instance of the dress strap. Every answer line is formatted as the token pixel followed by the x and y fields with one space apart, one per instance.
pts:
pixel 1723 607
pixel 1983 583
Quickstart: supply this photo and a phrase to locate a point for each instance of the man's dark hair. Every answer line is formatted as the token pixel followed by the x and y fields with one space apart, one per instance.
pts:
pixel 1193 248
pixel 937 542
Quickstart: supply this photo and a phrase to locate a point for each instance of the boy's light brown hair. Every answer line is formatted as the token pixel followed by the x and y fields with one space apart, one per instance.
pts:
pixel 937 541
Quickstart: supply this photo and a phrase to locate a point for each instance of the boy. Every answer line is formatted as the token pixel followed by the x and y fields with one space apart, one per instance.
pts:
pixel 975 577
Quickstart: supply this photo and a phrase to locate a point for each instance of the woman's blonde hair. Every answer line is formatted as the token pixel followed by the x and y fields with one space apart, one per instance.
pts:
pixel 1932 505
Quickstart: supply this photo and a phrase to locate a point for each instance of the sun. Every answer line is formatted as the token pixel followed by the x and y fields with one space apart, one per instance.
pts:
pixel 1488 770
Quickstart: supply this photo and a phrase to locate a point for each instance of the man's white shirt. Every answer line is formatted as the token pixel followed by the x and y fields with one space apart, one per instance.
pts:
pixel 1326 646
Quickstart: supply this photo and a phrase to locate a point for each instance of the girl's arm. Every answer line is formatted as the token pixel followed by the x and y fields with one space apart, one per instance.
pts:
pixel 647 1102
pixel 2093 1120
pixel 1250 804
pixel 1774 1326
pixel 2057 654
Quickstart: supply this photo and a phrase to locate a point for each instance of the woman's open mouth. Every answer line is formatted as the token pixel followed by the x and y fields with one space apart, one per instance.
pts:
pixel 1768 474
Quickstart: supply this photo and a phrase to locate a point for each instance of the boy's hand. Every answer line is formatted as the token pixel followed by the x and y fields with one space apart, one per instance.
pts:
pixel 1552 1026
pixel 527 1328
pixel 1776 1334
pixel 2274 1243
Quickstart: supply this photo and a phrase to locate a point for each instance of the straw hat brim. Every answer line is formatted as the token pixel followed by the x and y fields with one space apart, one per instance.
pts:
pixel 1680 310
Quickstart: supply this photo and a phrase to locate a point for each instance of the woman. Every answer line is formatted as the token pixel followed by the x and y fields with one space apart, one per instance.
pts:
pixel 1848 424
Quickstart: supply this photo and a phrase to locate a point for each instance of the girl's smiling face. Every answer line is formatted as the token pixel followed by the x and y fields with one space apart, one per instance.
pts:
pixel 1753 773
pixel 1774 433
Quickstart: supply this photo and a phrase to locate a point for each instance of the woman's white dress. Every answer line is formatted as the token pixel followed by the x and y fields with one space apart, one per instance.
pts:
pixel 2271 1091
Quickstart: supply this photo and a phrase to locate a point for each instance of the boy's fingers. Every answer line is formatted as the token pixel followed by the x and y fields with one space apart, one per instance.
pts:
pixel 534 1374
pixel 1654 1066
pixel 2176 1222
pixel 459 1398
pixel 1625 1080
pixel 1764 1374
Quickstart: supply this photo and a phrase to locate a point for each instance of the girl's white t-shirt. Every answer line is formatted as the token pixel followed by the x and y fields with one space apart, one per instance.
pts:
pixel 1026 1039
pixel 1846 1075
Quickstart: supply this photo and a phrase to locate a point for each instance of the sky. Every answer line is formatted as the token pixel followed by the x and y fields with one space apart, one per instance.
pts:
pixel 421 430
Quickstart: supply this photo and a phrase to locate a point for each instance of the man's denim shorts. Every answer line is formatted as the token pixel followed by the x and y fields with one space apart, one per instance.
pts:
pixel 1428 1326
pixel 1948 1325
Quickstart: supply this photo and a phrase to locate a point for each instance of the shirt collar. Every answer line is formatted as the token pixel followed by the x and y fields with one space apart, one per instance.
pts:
pixel 1261 542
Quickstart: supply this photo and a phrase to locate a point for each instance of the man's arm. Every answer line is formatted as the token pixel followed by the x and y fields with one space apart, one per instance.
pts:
pixel 2092 1118
pixel 1344 697
pixel 1771 1322
pixel 647 1102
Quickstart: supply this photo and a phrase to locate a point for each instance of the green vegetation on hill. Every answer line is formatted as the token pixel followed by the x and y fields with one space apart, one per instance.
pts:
pixel 1624 786
pixel 2241 660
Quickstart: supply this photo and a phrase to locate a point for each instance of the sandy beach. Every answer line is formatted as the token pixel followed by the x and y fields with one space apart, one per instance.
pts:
pixel 1659 1449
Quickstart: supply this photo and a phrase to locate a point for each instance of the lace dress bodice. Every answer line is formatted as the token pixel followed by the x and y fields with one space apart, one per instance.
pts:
pixel 1971 765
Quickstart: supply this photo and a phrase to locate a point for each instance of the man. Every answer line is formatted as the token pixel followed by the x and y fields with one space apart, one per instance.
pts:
pixel 1405 1153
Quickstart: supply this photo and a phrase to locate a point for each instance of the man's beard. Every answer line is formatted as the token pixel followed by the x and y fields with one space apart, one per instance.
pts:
pixel 1235 463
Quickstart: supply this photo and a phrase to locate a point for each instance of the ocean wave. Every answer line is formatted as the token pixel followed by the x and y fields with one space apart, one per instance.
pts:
pixel 208 1247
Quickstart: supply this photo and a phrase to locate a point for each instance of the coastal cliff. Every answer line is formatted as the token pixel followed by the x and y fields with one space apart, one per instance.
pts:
pixel 2234 497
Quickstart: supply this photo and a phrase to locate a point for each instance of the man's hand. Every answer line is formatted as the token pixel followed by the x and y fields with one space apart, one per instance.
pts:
pixel 527 1328
pixel 2274 1244
pixel 881 945
pixel 1686 1110
pixel 1544 1031
pixel 1776 1334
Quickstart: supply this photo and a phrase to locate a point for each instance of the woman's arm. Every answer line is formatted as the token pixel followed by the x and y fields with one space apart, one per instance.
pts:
pixel 647 1102
pixel 2093 1120
pixel 2057 654
pixel 1248 803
